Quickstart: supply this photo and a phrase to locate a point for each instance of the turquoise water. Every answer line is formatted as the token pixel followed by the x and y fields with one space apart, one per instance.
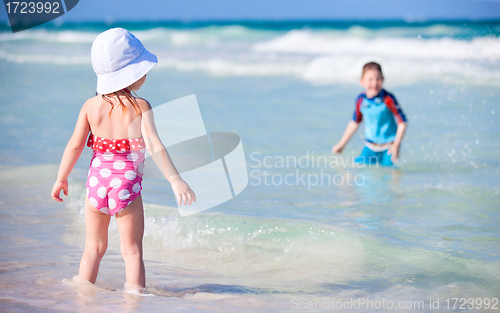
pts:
pixel 428 230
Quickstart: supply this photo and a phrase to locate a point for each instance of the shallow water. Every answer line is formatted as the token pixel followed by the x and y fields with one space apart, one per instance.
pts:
pixel 426 231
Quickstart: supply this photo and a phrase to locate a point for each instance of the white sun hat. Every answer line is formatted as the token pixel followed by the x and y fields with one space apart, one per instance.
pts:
pixel 119 59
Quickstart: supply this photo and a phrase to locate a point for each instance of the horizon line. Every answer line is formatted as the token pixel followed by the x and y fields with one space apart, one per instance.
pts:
pixel 111 21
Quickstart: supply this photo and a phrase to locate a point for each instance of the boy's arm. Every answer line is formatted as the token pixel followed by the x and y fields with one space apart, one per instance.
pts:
pixel 351 127
pixel 393 105
pixel 394 149
pixel 161 157
pixel 71 154
pixel 348 133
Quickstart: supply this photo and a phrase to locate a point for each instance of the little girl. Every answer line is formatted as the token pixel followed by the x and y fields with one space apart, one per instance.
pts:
pixel 121 128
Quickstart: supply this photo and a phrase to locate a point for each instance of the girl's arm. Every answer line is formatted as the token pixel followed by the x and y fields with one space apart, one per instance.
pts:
pixel 348 133
pixel 71 154
pixel 161 157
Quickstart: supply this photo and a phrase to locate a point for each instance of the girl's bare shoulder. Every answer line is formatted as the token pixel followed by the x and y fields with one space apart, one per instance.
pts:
pixel 96 100
pixel 143 104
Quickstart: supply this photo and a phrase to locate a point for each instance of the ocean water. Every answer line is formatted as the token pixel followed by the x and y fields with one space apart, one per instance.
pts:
pixel 311 231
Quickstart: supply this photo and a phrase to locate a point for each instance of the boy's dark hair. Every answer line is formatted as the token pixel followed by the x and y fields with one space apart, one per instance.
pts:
pixel 372 66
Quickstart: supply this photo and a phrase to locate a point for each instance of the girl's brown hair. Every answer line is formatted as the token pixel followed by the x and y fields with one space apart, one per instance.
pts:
pixel 129 97
pixel 372 66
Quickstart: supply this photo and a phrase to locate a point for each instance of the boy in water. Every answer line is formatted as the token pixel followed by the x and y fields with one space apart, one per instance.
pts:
pixel 385 122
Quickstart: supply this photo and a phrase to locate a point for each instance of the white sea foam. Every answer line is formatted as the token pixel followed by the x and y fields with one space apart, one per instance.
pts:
pixel 400 71
pixel 75 37
pixel 305 41
pixel 321 56
pixel 336 56
pixel 346 69
pixel 223 67
pixel 44 58
pixel 180 37
pixel 66 36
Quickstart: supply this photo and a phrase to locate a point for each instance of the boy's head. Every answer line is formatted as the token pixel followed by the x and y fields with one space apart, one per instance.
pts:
pixel 372 79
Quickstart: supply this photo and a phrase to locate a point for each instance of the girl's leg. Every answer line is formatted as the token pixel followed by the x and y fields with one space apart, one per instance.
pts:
pixel 131 227
pixel 96 242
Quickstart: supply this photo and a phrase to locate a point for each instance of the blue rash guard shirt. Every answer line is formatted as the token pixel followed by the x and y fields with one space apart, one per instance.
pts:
pixel 379 114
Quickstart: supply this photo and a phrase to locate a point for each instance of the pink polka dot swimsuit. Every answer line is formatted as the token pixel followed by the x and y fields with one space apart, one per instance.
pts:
pixel 115 172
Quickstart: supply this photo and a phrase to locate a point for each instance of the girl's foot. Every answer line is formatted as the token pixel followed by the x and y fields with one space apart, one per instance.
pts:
pixel 136 290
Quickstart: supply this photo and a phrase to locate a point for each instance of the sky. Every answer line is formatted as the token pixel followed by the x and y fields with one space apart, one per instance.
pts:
pixel 213 10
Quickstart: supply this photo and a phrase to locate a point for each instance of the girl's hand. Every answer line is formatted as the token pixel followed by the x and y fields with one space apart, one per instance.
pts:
pixel 337 148
pixel 182 191
pixel 56 190
pixel 394 152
